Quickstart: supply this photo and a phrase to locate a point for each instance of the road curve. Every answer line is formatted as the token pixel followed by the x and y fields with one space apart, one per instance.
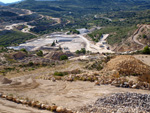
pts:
pixel 135 35
pixel 92 47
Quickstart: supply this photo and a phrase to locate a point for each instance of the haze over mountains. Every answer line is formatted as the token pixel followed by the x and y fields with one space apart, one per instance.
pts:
pixel 6 3
pixel 1 3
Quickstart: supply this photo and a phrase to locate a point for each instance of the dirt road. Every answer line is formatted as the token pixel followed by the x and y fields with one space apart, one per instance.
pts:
pixel 95 48
pixel 136 34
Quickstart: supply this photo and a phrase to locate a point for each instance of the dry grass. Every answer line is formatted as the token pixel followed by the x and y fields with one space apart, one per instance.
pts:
pixel 67 66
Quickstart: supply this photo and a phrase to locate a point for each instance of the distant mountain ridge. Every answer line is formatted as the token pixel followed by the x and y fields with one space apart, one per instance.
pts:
pixel 6 4
pixel 3 4
pixel 81 7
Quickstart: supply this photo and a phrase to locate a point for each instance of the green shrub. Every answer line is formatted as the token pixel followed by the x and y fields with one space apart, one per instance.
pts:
pixel 144 36
pixel 146 50
pixel 82 51
pixel 74 31
pixel 30 64
pixel 24 50
pixel 3 49
pixel 58 74
pixel 53 44
pixel 39 53
pixel 64 57
pixel 78 52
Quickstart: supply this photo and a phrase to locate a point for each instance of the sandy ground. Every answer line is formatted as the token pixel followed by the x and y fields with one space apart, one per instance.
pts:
pixel 71 95
pixel 144 58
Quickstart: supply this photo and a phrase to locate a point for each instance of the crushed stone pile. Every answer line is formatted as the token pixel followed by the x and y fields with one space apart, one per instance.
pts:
pixel 127 65
pixel 120 103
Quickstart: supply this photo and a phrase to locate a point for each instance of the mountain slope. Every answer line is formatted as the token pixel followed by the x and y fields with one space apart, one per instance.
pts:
pixel 81 7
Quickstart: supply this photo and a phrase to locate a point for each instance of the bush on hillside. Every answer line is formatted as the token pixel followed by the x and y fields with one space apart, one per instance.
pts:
pixel 39 53
pixel 64 57
pixel 74 31
pixel 146 50
pixel 24 50
pixel 59 73
pixel 30 64
pixel 82 51
pixel 53 44
pixel 144 36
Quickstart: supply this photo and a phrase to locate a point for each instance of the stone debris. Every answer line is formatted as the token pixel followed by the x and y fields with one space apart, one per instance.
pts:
pixel 101 80
pixel 36 104
pixel 71 77
pixel 123 82
pixel 120 103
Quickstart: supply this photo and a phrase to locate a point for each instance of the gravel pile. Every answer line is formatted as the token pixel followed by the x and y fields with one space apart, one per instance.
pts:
pixel 121 103
pixel 128 65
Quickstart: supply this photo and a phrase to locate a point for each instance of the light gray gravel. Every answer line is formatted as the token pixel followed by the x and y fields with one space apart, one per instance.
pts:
pixel 121 103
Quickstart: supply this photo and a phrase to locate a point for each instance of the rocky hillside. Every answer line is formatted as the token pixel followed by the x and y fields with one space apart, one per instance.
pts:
pixel 144 35
pixel 137 41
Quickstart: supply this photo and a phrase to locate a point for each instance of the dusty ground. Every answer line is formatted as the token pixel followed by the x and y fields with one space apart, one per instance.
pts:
pixel 72 95
pixel 144 58
pixel 68 66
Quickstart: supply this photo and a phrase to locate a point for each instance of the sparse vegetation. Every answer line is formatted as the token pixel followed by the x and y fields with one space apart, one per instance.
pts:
pixel 8 38
pixel 144 36
pixel 53 44
pixel 39 53
pixel 60 73
pixel 24 50
pixel 95 65
pixel 146 50
pixel 64 57
pixel 3 49
pixel 30 64
pixel 74 31
pixel 82 51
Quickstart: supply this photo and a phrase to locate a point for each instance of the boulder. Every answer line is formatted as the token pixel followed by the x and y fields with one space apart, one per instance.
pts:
pixel 60 109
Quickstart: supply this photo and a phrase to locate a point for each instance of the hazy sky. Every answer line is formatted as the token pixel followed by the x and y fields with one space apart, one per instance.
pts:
pixel 9 1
